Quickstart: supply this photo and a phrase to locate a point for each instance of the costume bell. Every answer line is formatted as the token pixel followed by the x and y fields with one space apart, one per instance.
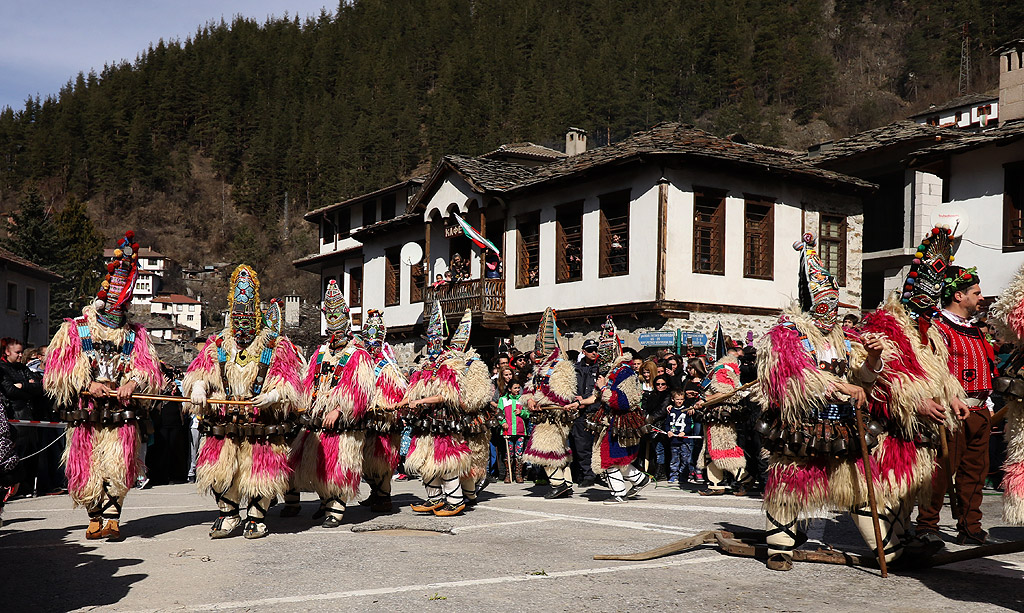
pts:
pixel 327 455
pixel 1008 314
pixel 722 453
pixel 550 395
pixel 244 456
pixel 809 374
pixel 89 356
pixel 445 400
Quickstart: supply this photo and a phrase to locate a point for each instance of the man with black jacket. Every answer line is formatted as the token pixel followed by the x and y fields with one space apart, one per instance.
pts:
pixel 582 439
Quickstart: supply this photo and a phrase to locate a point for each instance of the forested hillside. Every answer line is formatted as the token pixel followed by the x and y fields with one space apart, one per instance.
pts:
pixel 212 147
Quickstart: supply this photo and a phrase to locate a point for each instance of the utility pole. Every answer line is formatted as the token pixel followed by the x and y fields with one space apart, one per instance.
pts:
pixel 965 58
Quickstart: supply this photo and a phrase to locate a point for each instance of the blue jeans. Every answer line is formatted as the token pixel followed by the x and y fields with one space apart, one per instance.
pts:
pixel 681 463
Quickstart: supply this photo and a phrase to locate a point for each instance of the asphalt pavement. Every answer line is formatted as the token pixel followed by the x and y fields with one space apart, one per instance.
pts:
pixel 514 551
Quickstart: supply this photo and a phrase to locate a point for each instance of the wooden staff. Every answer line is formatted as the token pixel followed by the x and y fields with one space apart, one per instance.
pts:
pixel 719 401
pixel 508 459
pixel 866 456
pixel 113 394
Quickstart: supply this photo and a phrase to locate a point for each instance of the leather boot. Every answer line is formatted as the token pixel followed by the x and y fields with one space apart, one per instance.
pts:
pixel 95 529
pixel 112 531
pixel 518 467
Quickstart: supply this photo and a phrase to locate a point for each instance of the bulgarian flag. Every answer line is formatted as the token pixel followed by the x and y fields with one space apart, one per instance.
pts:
pixel 475 236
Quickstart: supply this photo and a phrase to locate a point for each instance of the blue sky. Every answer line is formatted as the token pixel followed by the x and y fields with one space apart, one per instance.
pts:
pixel 45 43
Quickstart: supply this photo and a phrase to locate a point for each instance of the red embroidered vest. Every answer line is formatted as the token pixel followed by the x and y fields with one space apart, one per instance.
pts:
pixel 970 355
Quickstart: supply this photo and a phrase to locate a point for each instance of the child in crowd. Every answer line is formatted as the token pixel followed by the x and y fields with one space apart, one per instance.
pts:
pixel 678 426
pixel 511 411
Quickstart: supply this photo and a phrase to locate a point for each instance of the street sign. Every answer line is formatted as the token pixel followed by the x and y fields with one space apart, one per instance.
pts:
pixel 657 339
pixel 695 339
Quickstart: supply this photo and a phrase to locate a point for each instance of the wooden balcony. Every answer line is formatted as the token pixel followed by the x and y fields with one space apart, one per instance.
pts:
pixel 485 297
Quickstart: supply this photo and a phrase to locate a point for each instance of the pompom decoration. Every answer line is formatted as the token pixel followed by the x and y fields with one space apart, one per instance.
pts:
pixel 919 255
pixel 135 247
pixel 99 305
pixel 102 294
pixel 917 261
pixel 130 234
pixel 111 266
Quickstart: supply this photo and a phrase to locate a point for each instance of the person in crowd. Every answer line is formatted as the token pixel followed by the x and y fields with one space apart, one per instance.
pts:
pixel 511 412
pixel 439 281
pixel 502 382
pixel 167 456
pixel 647 370
pixel 655 403
pixel 678 428
pixel 722 451
pixel 492 265
pixel 22 391
pixel 10 475
pixel 50 477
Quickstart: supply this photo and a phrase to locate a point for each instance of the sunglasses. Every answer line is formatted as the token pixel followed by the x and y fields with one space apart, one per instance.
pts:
pixel 661 384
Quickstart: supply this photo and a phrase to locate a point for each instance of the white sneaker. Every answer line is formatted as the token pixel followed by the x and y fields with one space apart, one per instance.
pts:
pixel 141 483
pixel 615 500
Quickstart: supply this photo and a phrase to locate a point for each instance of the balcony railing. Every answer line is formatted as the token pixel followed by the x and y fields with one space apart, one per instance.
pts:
pixel 485 297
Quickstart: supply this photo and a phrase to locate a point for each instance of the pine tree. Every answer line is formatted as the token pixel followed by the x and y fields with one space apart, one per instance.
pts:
pixel 83 248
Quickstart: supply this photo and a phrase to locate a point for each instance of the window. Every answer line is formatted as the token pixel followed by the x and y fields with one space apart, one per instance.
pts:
pixel 1013 206
pixel 369 213
pixel 708 231
pixel 392 260
pixel 344 224
pixel 190 317
pixel 165 307
pixel 614 246
pixel 832 245
pixel 569 242
pixel 153 262
pixel 30 300
pixel 178 308
pixel 387 207
pixel 417 279
pixel 327 229
pixel 528 250
pixel 12 296
pixel 191 308
pixel 355 286
pixel 758 237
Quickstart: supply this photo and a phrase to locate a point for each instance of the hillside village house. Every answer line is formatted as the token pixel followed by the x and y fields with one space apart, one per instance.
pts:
pixel 672 228
pixel 152 266
pixel 181 310
pixel 27 299
pixel 924 172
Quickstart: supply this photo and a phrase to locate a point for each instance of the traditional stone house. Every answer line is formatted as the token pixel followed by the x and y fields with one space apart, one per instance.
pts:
pixel 26 288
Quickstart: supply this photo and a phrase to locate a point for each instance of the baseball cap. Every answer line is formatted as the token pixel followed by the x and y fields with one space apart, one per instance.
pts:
pixel 590 345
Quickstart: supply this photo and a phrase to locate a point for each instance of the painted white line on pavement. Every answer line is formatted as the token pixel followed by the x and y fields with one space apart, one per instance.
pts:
pixel 461 529
pixel 640 504
pixel 16 510
pixel 604 521
pixel 434 587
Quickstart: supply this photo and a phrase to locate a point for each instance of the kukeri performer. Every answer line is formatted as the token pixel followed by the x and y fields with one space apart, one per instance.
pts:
pixel 1008 314
pixel 327 455
pixel 444 401
pixel 384 431
pixel 808 372
pixel 913 398
pixel 619 421
pixel 550 395
pixel 245 455
pixel 971 362
pixel 89 356
pixel 722 453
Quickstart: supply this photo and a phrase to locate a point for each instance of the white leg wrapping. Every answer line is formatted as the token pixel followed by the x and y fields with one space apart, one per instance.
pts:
pixel 452 488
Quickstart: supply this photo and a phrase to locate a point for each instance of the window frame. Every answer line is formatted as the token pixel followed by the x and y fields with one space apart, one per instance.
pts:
pixel 12 296
pixel 355 286
pixel 417 273
pixel 715 226
pixel 392 276
pixel 1013 207
pixel 840 271
pixel 527 249
pixel 612 225
pixel 760 265
pixel 566 235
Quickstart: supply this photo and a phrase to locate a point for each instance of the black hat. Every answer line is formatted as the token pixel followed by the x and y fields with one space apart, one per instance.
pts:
pixel 590 345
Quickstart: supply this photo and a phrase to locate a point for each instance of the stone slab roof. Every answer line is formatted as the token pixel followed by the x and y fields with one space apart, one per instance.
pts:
pixel 969 99
pixel 490 175
pixel 526 150
pixel 28 266
pixel 1005 134
pixel 899 132
pixel 309 216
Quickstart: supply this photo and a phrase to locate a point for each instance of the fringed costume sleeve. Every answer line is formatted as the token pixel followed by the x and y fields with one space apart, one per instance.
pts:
pixel 285 377
pixel 144 367
pixel 68 371
pixel 205 367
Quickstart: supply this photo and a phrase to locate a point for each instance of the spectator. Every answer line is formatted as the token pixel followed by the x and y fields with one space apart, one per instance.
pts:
pixel 511 411
pixel 167 462
pixel 495 465
pixel 850 322
pixel 492 265
pixel 23 395
pixel 647 372
pixel 654 404
pixel 522 365
pixel 10 473
pixel 438 281
pixel 447 277
pixel 50 473
pixel 680 424
pixel 696 371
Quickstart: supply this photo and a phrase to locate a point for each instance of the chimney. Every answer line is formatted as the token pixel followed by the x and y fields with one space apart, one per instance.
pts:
pixel 1011 80
pixel 575 141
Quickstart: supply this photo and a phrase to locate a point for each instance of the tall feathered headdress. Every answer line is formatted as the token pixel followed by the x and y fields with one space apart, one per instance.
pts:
pixel 460 340
pixel 336 312
pixel 548 337
pixel 374 331
pixel 819 292
pixel 118 287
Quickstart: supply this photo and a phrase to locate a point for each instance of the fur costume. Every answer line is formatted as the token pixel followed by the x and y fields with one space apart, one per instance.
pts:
pixel 619 423
pixel 100 459
pixel 720 444
pixel 330 461
pixel 1008 315
pixel 552 386
pixel 381 449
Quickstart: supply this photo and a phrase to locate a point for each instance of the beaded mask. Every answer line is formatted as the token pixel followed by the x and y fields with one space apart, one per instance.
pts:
pixel 819 292
pixel 923 286
pixel 460 340
pixel 118 287
pixel 335 311
pixel 435 331
pixel 244 305
pixel 374 332
pixel 548 338
pixel 609 347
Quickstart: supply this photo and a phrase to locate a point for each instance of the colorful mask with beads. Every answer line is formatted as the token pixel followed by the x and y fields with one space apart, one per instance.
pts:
pixel 374 332
pixel 548 338
pixel 609 347
pixel 923 286
pixel 244 305
pixel 819 292
pixel 335 311
pixel 118 287
pixel 435 331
